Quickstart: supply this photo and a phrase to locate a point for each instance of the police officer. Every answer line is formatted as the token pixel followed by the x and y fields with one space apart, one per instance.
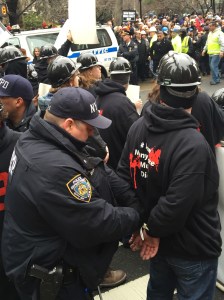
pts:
pixel 16 94
pixel 129 50
pixel 64 72
pixel 174 172
pixel 60 214
pixel 7 143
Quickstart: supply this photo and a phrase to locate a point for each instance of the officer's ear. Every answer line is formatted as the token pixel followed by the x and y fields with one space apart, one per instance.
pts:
pixel 19 102
pixel 68 125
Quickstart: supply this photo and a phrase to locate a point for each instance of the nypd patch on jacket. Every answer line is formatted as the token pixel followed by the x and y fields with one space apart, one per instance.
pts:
pixel 60 205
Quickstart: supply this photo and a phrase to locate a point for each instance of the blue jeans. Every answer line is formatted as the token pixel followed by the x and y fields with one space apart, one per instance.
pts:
pixel 214 66
pixel 194 280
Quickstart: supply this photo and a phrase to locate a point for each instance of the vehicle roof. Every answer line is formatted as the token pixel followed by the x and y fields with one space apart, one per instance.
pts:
pixel 36 31
pixel 43 31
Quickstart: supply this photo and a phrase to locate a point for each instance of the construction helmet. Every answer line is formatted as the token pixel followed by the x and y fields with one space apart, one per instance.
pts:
pixel 87 60
pixel 218 97
pixel 120 66
pixel 178 70
pixel 10 53
pixel 48 51
pixel 60 70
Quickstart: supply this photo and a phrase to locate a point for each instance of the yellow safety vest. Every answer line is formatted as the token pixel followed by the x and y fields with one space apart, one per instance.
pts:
pixel 176 42
pixel 213 46
pixel 185 46
pixel 153 39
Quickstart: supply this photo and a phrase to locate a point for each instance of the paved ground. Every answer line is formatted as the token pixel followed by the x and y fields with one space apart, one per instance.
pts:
pixel 137 270
pixel 137 278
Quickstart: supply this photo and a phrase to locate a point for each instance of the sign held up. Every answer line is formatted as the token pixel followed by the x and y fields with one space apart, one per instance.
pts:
pixel 129 15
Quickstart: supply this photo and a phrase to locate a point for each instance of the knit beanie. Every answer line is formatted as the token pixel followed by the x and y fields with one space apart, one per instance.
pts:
pixel 120 78
pixel 178 97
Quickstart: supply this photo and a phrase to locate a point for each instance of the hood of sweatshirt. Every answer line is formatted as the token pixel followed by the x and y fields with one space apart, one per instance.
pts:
pixel 160 118
pixel 108 86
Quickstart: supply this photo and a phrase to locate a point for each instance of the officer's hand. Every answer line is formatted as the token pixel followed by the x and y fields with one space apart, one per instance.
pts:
pixel 203 53
pixel 150 246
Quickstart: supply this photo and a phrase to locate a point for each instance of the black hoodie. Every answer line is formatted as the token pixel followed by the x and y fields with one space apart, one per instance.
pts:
pixel 175 175
pixel 115 105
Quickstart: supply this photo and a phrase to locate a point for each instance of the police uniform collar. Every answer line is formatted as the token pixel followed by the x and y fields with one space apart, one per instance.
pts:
pixel 79 144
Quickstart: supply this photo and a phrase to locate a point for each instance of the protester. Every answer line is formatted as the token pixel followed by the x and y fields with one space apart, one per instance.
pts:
pixel 174 173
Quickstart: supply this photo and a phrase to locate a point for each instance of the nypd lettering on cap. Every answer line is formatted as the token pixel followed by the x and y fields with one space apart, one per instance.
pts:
pixel 4 83
pixel 80 188
pixel 93 107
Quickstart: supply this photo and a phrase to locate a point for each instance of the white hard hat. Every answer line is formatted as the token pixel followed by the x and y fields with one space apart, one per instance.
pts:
pixel 152 29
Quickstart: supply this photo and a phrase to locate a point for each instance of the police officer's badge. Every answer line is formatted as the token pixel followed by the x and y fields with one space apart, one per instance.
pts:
pixel 80 188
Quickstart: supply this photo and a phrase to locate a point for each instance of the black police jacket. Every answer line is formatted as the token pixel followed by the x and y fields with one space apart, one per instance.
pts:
pixel 174 173
pixel 60 206
pixel 129 52
pixel 8 139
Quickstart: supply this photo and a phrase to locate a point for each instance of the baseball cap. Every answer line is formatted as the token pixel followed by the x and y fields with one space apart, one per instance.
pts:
pixel 125 32
pixel 16 86
pixel 79 104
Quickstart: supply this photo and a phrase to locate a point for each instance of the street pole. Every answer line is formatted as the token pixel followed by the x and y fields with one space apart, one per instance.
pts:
pixel 140 8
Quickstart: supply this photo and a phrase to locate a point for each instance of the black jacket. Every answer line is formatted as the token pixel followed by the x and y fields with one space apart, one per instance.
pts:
pixel 142 51
pixel 17 67
pixel 129 52
pixel 8 139
pixel 159 49
pixel 24 124
pixel 210 117
pixel 175 175
pixel 114 104
pixel 60 205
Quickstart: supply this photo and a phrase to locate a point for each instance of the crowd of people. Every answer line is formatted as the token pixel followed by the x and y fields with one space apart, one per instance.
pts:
pixel 154 36
pixel 88 171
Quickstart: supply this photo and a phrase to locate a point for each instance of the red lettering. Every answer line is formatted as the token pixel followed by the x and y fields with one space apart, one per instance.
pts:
pixel 134 164
pixel 154 157
pixel 4 178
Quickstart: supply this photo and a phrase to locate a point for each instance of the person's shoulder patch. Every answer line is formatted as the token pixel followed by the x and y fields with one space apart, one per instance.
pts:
pixel 80 188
